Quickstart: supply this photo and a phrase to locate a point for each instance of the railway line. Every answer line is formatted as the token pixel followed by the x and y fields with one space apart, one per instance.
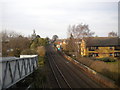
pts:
pixel 67 74
pixel 86 83
pixel 59 77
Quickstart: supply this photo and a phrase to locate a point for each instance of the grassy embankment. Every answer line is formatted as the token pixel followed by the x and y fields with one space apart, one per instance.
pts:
pixel 108 69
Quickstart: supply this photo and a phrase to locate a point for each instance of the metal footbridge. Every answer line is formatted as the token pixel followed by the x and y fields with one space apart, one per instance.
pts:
pixel 12 70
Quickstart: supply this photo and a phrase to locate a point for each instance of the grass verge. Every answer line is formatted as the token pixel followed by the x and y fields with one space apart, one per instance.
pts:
pixel 108 69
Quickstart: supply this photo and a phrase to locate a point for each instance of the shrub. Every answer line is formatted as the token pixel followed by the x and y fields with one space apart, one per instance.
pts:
pixel 41 60
pixel 17 52
pixel 28 52
pixel 41 51
pixel 107 59
pixel 33 45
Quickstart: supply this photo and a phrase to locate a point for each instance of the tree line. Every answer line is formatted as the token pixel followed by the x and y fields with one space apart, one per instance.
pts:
pixel 15 44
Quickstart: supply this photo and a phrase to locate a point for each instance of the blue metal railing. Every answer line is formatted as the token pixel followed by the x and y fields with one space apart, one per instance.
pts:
pixel 14 70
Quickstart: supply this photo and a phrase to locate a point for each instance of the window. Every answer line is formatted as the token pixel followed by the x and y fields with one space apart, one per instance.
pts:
pixel 111 47
pixel 117 54
pixel 93 55
pixel 97 47
pixel 117 48
pixel 111 54
pixel 91 48
pixel 96 54
pixel 90 54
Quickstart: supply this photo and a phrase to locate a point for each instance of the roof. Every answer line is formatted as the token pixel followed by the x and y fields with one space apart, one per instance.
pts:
pixel 102 41
pixel 61 40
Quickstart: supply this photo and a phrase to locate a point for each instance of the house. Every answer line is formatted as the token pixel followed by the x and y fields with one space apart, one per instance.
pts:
pixel 62 43
pixel 100 47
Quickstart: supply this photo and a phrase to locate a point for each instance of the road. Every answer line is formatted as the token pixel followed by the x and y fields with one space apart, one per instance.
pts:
pixel 67 74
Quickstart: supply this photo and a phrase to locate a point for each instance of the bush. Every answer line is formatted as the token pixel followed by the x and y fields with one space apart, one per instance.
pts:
pixel 41 60
pixel 41 51
pixel 107 59
pixel 17 52
pixel 28 52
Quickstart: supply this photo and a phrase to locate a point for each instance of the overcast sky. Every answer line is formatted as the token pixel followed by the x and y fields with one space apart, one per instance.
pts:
pixel 49 17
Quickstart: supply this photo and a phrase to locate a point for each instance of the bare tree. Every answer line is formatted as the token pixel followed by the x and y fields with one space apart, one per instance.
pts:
pixel 112 34
pixel 79 32
pixel 13 43
pixel 71 44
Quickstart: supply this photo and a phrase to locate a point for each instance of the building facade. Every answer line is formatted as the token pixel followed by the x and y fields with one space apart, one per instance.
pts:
pixel 100 47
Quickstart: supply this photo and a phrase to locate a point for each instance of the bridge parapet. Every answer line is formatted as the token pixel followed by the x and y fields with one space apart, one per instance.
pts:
pixel 14 70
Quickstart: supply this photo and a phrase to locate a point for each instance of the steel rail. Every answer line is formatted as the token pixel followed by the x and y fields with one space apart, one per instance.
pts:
pixel 77 73
pixel 87 83
pixel 61 73
pixel 54 73
pixel 58 69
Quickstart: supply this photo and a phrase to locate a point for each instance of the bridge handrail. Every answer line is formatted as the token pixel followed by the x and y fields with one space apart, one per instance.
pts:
pixel 2 60
pixel 12 71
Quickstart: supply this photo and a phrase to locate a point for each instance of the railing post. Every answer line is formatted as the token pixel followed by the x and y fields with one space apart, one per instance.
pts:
pixel 37 61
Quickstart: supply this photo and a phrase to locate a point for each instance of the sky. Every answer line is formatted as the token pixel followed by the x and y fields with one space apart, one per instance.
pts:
pixel 52 17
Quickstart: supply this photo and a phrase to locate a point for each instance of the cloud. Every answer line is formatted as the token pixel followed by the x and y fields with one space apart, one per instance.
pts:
pixel 51 17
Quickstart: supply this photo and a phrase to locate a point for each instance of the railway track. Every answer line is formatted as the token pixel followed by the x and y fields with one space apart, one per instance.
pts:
pixel 89 84
pixel 67 74
pixel 59 77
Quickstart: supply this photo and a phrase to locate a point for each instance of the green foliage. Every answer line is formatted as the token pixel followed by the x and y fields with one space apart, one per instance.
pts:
pixel 38 42
pixel 42 42
pixel 33 45
pixel 41 60
pixel 28 52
